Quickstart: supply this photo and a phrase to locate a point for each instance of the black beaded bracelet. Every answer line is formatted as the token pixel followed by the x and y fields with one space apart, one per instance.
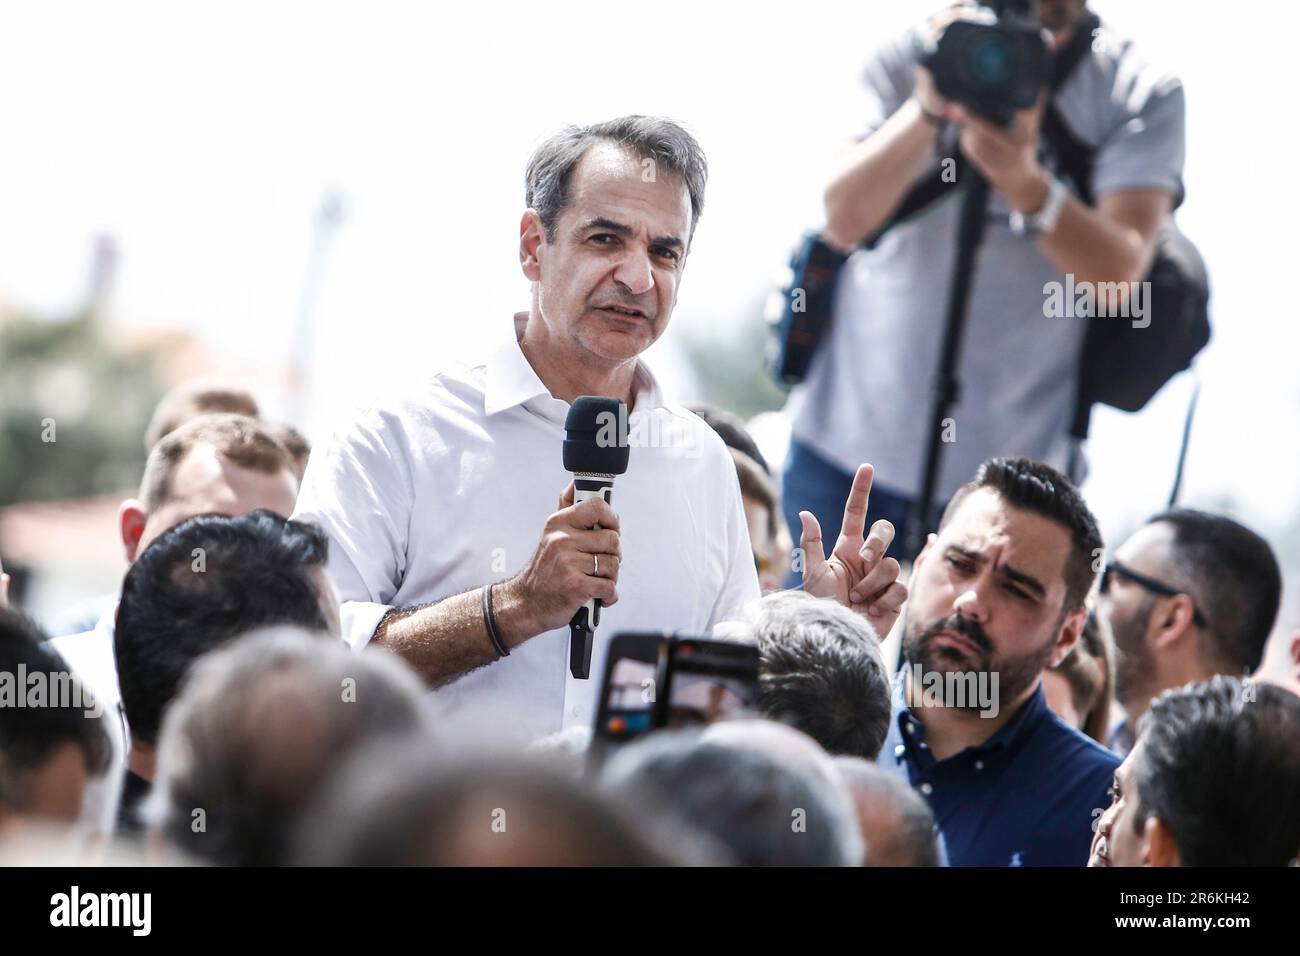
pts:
pixel 490 622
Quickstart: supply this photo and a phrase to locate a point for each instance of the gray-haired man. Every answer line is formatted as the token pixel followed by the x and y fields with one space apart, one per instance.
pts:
pixel 430 501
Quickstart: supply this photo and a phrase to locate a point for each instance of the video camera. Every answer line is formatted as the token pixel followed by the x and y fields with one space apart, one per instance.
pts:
pixel 995 68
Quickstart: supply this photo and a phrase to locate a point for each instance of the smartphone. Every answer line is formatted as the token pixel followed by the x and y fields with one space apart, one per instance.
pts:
pixel 660 679
pixel 706 680
pixel 629 690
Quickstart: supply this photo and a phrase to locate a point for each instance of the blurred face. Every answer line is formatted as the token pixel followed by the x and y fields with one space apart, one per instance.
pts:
pixel 206 483
pixel 764 546
pixel 1058 15
pixel 987 595
pixel 329 600
pixel 55 790
pixel 1128 607
pixel 607 282
pixel 1117 842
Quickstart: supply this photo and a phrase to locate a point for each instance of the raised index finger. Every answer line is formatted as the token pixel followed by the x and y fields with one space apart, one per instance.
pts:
pixel 855 509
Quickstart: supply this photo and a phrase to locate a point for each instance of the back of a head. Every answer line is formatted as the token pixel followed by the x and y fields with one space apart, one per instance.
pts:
pixel 1040 489
pixel 1220 767
pixel 1089 671
pixel 1236 580
pixel 897 824
pixel 257 731
pixel 821 671
pixel 56 720
pixel 762 790
pixel 200 584
pixel 411 805
pixel 733 433
pixel 294 442
pixel 240 440
pixel 192 399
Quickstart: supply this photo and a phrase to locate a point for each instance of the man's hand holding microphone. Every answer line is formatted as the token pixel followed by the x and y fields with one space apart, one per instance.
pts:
pixel 577 560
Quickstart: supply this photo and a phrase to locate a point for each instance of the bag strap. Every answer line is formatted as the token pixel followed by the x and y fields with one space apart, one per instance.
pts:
pixel 1075 156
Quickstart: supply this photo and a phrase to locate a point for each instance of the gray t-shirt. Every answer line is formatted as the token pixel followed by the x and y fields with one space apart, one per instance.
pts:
pixel 867 393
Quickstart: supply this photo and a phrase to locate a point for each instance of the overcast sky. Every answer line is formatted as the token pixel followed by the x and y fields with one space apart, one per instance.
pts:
pixel 204 136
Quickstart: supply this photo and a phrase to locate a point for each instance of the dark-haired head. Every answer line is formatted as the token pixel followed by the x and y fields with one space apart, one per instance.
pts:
pixel 1235 576
pixel 1039 488
pixel 47 752
pixel 200 584
pixel 1000 589
pixel 1188 595
pixel 1219 767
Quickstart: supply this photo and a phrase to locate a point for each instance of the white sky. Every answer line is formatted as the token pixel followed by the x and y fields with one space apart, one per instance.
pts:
pixel 203 137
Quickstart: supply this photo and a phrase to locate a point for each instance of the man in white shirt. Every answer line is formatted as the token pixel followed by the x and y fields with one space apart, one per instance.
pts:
pixel 430 500
pixel 213 464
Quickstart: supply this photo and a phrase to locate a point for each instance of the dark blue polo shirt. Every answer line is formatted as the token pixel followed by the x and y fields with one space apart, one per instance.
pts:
pixel 1025 797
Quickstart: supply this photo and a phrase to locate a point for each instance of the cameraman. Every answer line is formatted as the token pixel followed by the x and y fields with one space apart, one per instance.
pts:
pixel 867 395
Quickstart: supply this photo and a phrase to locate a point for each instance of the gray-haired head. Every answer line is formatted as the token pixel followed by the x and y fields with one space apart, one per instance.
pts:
pixel 412 803
pixel 653 138
pixel 820 670
pixel 897 824
pixel 256 731
pixel 762 790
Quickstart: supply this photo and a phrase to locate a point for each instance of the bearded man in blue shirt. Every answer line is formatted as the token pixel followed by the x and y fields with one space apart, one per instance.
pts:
pixel 996 596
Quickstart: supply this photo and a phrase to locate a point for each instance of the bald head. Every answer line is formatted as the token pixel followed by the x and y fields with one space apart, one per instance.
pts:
pixel 258 729
pixel 764 791
pixel 897 824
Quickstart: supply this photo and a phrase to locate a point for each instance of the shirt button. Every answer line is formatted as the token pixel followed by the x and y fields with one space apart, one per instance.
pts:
pixel 979 764
pixel 911 727
pixel 899 750
pixel 927 789
pixel 573 712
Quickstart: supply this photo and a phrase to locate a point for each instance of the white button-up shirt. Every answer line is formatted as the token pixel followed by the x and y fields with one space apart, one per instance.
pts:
pixel 449 490
pixel 90 656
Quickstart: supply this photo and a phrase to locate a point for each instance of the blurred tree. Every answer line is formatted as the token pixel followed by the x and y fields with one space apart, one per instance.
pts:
pixel 728 361
pixel 73 407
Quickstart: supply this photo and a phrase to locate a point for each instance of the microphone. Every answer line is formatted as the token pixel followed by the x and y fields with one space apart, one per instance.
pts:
pixel 596 451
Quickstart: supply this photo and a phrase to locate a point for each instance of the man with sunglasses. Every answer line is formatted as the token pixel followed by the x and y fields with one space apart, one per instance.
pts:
pixel 1188 596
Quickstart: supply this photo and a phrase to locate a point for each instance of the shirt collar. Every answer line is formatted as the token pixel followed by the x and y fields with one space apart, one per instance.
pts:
pixel 512 381
pixel 107 623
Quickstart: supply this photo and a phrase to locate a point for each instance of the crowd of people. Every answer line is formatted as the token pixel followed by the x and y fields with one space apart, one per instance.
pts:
pixel 358 653
pixel 223 719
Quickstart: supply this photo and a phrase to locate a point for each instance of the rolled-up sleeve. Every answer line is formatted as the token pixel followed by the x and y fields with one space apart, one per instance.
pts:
pixel 888 79
pixel 358 489
pixel 1147 147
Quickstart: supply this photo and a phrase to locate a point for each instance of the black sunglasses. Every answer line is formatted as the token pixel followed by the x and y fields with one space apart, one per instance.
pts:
pixel 1151 584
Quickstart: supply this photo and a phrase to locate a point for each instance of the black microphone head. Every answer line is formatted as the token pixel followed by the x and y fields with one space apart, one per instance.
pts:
pixel 596 436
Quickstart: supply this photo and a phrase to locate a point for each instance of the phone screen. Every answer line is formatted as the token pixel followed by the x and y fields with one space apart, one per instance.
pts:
pixel 627 699
pixel 655 680
pixel 708 681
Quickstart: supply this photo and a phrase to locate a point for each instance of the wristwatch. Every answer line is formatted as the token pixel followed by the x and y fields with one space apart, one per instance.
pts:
pixel 1042 222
